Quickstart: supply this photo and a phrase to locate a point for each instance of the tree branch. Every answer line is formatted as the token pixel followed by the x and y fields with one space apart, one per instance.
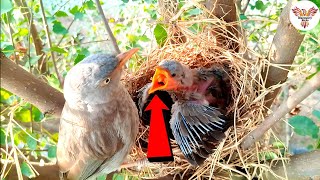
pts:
pixel 227 11
pixel 34 33
pixel 284 47
pixel 27 86
pixel 309 87
pixel 50 43
pixel 106 24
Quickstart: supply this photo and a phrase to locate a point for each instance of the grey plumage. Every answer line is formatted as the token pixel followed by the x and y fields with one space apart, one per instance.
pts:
pixel 99 121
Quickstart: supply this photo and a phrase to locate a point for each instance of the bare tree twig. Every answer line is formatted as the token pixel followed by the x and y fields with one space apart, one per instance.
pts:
pixel 10 33
pixel 27 86
pixel 309 87
pixel 67 30
pixel 244 8
pixel 34 33
pixel 50 43
pixel 284 47
pixel 106 24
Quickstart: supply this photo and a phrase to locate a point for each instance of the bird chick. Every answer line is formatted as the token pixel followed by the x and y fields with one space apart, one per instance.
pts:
pixel 99 121
pixel 197 126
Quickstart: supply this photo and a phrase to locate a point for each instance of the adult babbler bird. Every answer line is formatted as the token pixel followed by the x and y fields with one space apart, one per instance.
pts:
pixel 201 95
pixel 99 121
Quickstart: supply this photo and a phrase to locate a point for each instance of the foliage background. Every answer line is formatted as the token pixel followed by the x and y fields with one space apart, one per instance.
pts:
pixel 76 31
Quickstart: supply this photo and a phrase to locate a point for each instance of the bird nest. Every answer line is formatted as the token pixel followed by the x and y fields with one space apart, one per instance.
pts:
pixel 212 43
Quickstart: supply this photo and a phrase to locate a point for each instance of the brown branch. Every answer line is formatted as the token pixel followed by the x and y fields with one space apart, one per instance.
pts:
pixel 12 41
pixel 227 11
pixel 284 47
pixel 34 33
pixel 50 43
pixel 244 8
pixel 27 86
pixel 105 21
pixel 292 101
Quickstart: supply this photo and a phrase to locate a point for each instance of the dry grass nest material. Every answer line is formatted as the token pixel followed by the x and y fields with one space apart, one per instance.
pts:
pixel 206 46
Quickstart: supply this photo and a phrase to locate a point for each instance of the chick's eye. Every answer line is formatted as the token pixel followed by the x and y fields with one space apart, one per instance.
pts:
pixel 173 75
pixel 106 81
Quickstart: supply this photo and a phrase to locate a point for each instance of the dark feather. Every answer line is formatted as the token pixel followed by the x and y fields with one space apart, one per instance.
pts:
pixel 197 128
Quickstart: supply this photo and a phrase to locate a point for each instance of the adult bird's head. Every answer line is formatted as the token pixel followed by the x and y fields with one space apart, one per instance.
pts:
pixel 170 75
pixel 95 79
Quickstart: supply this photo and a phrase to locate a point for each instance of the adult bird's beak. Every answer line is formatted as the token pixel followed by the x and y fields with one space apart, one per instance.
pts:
pixel 125 56
pixel 162 80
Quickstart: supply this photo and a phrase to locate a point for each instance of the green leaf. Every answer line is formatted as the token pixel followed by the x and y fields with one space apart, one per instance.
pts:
pixel 5 95
pixel 274 17
pixel 37 115
pixel 316 113
pixel 118 176
pixel 55 137
pixel 144 38
pixel 194 12
pixel 102 177
pixel 90 5
pixel 23 32
pixel 33 60
pixel 61 14
pixel 259 5
pixel 304 126
pixel 19 137
pixel 58 50
pixel 52 152
pixel 317 2
pixel 32 143
pixel 3 136
pixel 243 17
pixel 268 155
pixel 23 114
pixel 8 50
pixel 125 1
pixel 195 28
pixel 278 144
pixel 160 34
pixel 132 38
pixel 78 14
pixel 27 171
pixel 58 28
pixel 6 6
pixel 79 58
pixel 53 81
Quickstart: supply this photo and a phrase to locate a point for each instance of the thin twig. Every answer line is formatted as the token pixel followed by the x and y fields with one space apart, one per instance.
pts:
pixel 244 8
pixel 308 88
pixel 105 21
pixel 28 14
pixel 11 32
pixel 49 42
pixel 67 30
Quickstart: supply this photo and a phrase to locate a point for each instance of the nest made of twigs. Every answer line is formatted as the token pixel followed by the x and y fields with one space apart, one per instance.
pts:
pixel 209 45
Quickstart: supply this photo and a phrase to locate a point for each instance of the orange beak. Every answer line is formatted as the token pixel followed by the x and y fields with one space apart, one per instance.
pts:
pixel 162 80
pixel 125 56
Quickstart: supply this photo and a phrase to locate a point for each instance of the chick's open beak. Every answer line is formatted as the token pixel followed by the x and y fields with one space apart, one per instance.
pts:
pixel 162 80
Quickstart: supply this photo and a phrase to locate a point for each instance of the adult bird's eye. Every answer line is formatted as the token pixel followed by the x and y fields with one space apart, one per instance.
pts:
pixel 173 75
pixel 107 81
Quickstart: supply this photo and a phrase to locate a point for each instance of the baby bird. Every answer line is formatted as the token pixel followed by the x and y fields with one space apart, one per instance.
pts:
pixel 200 98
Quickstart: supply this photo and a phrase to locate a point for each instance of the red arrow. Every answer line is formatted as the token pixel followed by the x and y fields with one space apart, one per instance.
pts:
pixel 159 146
